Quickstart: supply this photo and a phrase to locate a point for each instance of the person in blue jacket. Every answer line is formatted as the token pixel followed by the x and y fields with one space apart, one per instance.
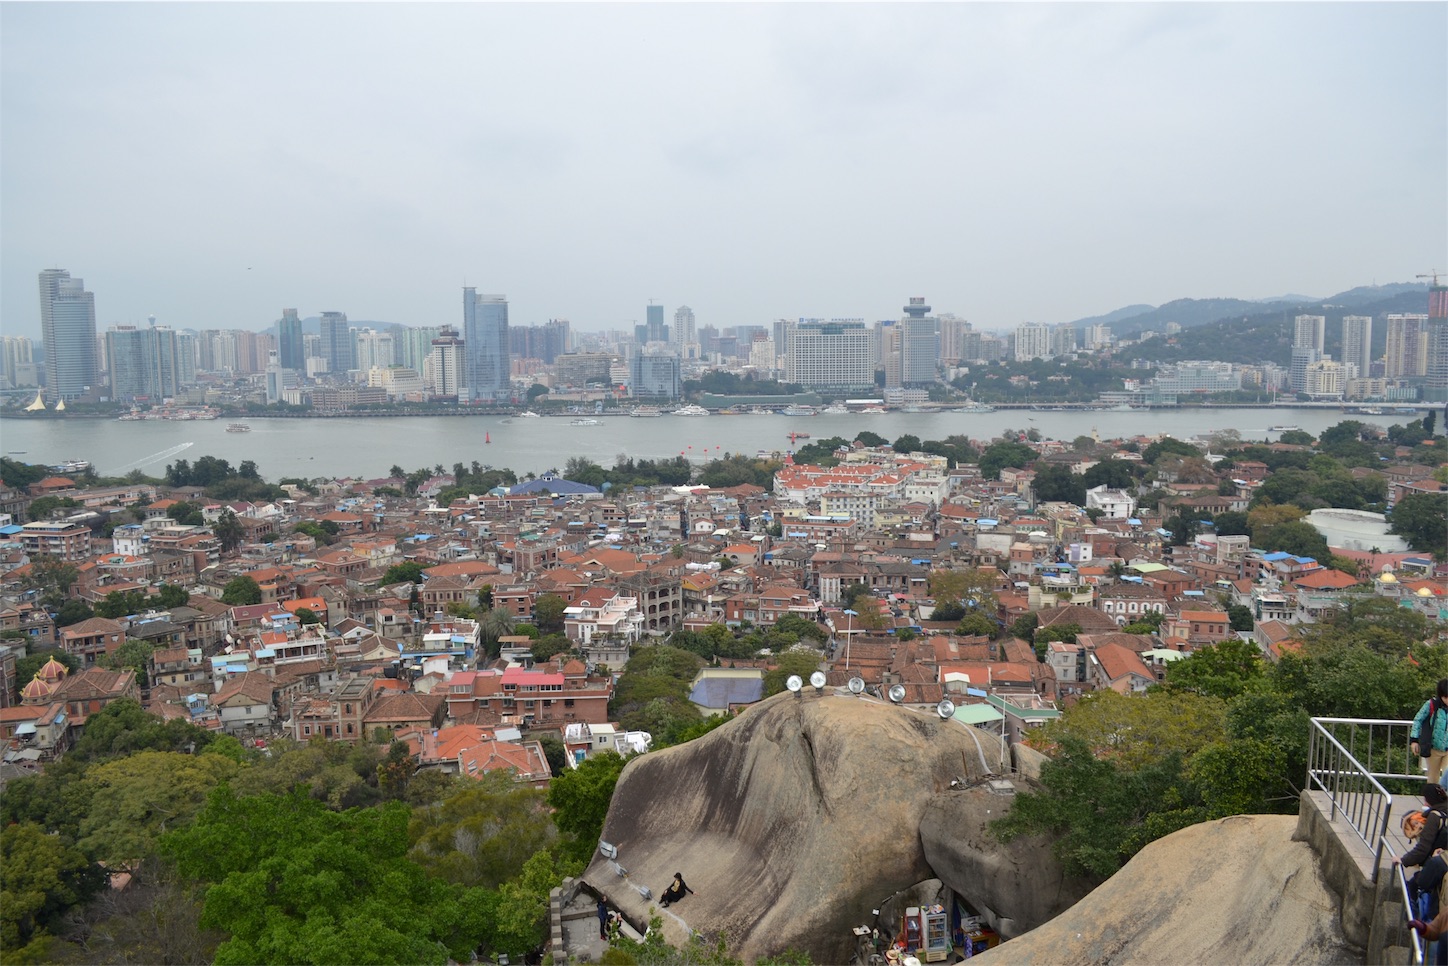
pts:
pixel 1430 732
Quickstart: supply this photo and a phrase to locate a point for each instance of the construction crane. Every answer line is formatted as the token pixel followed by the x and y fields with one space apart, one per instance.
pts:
pixel 1434 276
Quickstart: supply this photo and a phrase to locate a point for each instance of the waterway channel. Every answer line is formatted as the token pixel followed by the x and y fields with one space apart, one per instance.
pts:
pixel 366 447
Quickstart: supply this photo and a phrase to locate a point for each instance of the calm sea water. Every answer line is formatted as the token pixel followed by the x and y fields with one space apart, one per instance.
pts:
pixel 368 447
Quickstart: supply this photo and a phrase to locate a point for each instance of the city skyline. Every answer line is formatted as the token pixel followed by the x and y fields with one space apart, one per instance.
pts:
pixel 1034 163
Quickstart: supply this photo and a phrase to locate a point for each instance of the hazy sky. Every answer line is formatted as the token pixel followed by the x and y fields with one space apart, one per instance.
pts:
pixel 211 164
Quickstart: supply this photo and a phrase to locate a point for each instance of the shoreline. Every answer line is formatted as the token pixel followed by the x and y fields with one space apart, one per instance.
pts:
pixel 1403 409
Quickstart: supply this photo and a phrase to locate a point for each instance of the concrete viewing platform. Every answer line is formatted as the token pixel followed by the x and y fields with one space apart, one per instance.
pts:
pixel 1373 916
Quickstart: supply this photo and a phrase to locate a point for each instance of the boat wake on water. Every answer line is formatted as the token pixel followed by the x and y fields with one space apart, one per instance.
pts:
pixel 165 454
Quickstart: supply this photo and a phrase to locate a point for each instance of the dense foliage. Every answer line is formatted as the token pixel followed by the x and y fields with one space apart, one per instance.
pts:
pixel 1227 733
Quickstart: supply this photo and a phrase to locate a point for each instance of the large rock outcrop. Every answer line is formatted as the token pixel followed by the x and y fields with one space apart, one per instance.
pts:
pixel 1237 890
pixel 1017 886
pixel 791 823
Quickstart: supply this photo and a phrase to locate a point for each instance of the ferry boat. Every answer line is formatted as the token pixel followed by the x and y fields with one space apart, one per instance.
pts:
pixel 691 410
pixel 835 409
pixel 530 414
pixel 238 428
pixel 71 467
pixel 1282 429
pixel 586 421
pixel 798 410
pixel 645 411
pixel 873 410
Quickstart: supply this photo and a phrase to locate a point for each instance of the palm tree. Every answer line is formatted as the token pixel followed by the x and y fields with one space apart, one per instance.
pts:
pixel 494 625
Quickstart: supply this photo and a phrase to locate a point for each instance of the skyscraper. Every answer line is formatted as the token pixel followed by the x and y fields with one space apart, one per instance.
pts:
pixel 835 356
pixel 144 363
pixel 919 348
pixel 68 326
pixel 1311 331
pixel 1407 346
pixel 336 343
pixel 1357 338
pixel 684 332
pixel 1309 338
pixel 1436 366
pixel 372 348
pixel 17 364
pixel 1033 341
pixel 446 364
pixel 655 323
pixel 289 341
pixel 485 335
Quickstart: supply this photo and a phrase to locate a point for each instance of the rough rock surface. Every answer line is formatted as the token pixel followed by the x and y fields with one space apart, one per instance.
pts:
pixel 1021 885
pixel 1238 890
pixel 790 823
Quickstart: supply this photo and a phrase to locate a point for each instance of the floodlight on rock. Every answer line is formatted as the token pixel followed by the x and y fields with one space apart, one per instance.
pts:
pixel 897 693
pixel 857 685
pixel 818 680
pixel 794 682
pixel 946 709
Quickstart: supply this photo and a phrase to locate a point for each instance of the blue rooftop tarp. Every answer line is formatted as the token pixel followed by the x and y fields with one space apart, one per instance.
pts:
pixel 722 692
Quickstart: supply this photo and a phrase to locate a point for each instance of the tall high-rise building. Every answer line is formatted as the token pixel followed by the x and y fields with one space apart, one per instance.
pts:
pixel 545 342
pixel 289 341
pixel 337 343
pixel 1033 341
pixel 1063 339
pixel 836 356
pixel 655 323
pixel 145 363
pixel 685 331
pixel 1357 338
pixel 373 349
pixel 1309 339
pixel 1436 366
pixel 654 374
pixel 952 333
pixel 485 335
pixel 919 347
pixel 17 362
pixel 446 365
pixel 1407 347
pixel 68 327
pixel 1311 331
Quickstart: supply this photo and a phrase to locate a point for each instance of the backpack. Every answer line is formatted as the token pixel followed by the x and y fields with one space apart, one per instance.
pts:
pixel 1414 822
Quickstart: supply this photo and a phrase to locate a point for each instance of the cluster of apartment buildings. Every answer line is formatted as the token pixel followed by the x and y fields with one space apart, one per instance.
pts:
pixel 331 652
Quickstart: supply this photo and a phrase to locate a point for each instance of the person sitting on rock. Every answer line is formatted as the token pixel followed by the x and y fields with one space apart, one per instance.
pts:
pixel 675 891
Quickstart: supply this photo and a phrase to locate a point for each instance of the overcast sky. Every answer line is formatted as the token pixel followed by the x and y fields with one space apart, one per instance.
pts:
pixel 211 164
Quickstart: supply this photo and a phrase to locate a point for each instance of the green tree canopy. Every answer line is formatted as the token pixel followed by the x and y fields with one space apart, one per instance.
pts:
pixel 295 883
pixel 241 590
pixel 482 832
pixel 580 798
pixel 1422 520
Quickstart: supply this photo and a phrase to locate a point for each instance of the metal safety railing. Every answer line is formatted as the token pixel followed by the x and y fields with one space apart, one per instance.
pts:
pixel 1349 759
pixel 1416 943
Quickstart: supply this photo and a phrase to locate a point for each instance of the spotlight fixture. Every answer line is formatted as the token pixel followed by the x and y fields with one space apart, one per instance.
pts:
pixel 946 708
pixel 794 682
pixel 818 680
pixel 897 693
pixel 857 685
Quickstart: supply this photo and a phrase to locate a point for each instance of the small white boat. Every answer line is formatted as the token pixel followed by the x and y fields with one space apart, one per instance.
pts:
pixel 529 414
pixel 238 428
pixel 645 411
pixel 586 421
pixel 691 410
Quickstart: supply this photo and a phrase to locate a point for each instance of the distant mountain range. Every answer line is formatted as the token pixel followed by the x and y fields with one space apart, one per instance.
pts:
pixel 1264 333
pixel 1190 313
